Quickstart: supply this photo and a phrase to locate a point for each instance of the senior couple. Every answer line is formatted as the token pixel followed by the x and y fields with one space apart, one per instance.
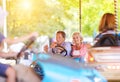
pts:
pixel 77 49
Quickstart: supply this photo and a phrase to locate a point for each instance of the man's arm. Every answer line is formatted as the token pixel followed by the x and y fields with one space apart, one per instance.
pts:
pixel 20 39
pixel 8 54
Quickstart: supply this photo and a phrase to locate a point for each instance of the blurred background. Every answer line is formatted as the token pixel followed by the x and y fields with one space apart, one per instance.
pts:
pixel 49 16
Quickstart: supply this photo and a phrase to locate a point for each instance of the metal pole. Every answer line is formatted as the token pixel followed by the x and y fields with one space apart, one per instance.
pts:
pixel 5 25
pixel 116 12
pixel 5 19
pixel 80 15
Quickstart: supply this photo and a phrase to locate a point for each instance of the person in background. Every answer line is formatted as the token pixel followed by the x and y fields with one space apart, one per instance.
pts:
pixel 79 49
pixel 59 46
pixel 107 26
pixel 5 69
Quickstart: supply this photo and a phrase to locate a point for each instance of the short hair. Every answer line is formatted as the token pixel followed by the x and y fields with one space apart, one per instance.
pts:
pixel 62 33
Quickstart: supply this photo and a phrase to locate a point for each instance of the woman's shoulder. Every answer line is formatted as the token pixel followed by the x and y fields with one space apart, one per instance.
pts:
pixel 100 35
pixel 83 44
pixel 86 45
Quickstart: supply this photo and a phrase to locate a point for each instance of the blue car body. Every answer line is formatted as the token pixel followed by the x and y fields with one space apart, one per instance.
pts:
pixel 62 69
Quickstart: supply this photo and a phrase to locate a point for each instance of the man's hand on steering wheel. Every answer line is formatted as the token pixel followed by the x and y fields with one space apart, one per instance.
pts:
pixel 59 50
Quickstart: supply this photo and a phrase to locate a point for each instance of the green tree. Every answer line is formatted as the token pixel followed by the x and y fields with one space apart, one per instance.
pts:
pixel 48 16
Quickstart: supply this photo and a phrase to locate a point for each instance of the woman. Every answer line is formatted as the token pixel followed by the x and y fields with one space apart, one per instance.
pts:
pixel 79 49
pixel 107 29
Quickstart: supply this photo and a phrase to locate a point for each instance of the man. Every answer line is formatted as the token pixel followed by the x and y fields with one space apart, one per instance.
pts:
pixel 59 46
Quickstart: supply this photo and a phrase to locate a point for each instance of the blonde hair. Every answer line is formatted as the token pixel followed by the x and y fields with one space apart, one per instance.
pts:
pixel 78 33
pixel 107 22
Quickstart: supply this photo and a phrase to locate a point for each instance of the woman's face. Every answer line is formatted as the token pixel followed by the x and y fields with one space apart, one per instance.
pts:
pixel 59 38
pixel 76 39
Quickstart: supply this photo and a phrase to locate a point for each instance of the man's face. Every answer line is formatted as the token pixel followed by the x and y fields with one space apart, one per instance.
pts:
pixel 59 38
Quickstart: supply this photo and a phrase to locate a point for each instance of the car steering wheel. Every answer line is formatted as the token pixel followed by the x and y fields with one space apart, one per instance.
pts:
pixel 27 45
pixel 59 50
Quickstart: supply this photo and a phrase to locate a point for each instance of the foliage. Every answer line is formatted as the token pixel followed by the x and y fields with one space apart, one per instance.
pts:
pixel 48 16
pixel 45 16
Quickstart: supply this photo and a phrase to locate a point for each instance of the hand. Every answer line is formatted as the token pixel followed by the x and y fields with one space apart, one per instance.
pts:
pixel 46 48
pixel 53 45
pixel 34 34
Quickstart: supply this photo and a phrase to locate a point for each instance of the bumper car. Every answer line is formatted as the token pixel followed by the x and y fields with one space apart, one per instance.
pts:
pixel 106 60
pixel 54 68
